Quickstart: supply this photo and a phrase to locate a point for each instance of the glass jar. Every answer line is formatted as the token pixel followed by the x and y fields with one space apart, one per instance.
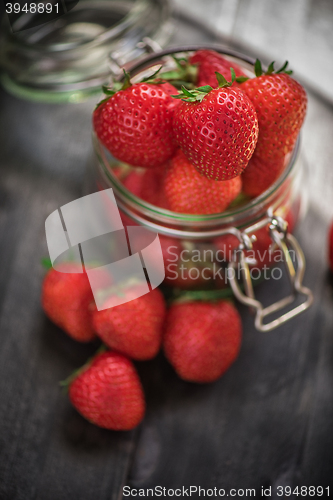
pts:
pixel 71 57
pixel 223 253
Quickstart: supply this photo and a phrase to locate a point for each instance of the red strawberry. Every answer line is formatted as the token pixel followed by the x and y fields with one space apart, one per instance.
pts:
pixel 260 174
pixel 135 327
pixel 134 180
pixel 147 185
pixel 66 298
pixel 280 103
pixel 209 62
pixel 330 247
pixel 135 124
pixel 108 393
pixel 219 134
pixel 226 245
pixel 202 339
pixel 189 192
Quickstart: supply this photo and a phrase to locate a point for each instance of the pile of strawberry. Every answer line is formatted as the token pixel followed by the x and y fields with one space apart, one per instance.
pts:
pixel 202 135
pixel 220 134
pixel 200 339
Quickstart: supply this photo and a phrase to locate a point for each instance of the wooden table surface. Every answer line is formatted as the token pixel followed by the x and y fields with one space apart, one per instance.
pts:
pixel 267 422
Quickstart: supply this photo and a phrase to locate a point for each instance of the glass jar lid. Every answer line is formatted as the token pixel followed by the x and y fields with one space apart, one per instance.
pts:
pixel 69 58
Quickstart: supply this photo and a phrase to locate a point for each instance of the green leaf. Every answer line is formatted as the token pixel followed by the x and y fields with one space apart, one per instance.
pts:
pixel 151 77
pixel 199 97
pixel 101 102
pixel 270 69
pixel 108 91
pixel 241 79
pixel 202 296
pixel 170 75
pixel 187 92
pixel 282 69
pixel 46 263
pixel 179 61
pixel 205 89
pixel 221 80
pixel 257 68
pixel 233 75
pixel 127 80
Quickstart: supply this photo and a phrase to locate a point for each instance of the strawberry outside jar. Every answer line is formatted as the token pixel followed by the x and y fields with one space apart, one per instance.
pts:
pixel 221 254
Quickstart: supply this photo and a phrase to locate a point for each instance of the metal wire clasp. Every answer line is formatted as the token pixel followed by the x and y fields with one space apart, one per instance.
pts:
pixel 285 241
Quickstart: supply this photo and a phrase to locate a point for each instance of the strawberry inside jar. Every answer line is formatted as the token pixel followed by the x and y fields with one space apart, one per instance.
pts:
pixel 201 146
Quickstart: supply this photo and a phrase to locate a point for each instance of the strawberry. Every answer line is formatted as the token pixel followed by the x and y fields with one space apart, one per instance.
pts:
pixel 202 339
pixel 135 327
pixel 135 123
pixel 108 392
pixel 187 191
pixel 134 181
pixel 147 185
pixel 226 245
pixel 260 174
pixel 66 297
pixel 210 62
pixel 330 247
pixel 217 129
pixel 280 103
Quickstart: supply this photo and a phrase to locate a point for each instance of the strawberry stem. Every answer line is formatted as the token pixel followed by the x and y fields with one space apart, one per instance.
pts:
pixel 199 93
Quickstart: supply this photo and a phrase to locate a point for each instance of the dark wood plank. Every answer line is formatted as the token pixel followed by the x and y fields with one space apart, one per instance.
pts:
pixel 47 451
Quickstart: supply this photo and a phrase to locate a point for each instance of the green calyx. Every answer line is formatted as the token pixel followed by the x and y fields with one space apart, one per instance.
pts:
pixel 270 70
pixel 202 296
pixel 110 91
pixel 185 74
pixel 199 93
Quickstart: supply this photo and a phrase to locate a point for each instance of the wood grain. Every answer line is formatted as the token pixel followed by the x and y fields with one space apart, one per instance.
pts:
pixel 266 422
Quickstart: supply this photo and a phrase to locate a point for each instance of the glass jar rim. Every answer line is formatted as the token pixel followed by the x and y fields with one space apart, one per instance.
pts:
pixel 130 203
pixel 108 34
